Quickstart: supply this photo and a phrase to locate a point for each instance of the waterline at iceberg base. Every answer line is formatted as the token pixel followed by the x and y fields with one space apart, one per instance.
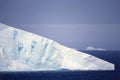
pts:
pixel 25 51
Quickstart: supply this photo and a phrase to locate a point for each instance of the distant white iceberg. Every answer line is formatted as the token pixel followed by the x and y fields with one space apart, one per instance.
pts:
pixel 24 51
pixel 95 49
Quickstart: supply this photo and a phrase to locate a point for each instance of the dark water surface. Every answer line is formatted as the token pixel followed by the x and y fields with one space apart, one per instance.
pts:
pixel 111 56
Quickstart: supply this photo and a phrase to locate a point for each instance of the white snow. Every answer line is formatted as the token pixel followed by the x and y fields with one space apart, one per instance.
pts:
pixel 24 51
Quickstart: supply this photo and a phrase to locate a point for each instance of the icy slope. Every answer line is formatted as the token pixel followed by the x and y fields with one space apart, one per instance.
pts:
pixel 24 51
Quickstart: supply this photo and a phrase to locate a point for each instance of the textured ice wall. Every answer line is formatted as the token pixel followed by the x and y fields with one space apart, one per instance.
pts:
pixel 24 51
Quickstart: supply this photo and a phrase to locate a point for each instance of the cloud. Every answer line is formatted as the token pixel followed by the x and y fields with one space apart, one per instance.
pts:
pixel 92 48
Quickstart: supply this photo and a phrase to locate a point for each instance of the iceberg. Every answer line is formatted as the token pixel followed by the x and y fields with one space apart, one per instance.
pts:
pixel 24 51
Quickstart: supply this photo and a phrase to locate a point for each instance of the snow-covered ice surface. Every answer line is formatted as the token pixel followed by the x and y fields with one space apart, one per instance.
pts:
pixel 24 51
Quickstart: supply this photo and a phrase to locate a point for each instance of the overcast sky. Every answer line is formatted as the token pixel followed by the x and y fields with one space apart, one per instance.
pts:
pixel 74 23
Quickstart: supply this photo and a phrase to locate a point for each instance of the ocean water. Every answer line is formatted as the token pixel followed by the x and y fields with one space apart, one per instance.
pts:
pixel 111 56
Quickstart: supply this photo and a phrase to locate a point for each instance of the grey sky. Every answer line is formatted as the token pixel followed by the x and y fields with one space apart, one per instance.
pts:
pixel 74 23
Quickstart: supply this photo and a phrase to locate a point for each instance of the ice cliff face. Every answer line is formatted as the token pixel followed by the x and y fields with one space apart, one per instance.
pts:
pixel 24 51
